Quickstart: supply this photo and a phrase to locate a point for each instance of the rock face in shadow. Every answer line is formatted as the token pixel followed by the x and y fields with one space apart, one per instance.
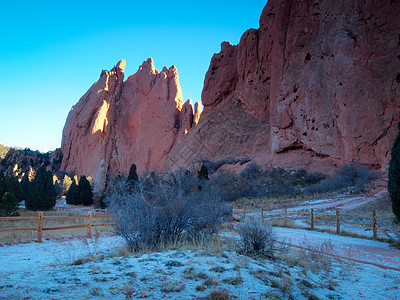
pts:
pixel 117 123
pixel 315 86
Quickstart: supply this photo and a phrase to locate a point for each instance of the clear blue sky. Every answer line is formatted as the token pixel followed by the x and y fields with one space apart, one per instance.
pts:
pixel 51 52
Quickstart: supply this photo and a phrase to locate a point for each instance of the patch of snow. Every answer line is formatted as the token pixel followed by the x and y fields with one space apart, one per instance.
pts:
pixel 45 271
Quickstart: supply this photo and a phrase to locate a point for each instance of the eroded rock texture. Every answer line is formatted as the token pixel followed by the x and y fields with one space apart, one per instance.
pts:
pixel 117 123
pixel 315 86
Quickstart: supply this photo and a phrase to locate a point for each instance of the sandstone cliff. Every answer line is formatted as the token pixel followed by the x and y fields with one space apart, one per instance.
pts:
pixel 315 86
pixel 118 123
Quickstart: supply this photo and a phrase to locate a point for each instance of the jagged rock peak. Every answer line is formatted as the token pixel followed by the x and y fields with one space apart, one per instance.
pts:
pixel 118 123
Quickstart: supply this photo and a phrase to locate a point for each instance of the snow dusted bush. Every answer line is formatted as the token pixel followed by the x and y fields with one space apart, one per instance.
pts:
pixel 161 209
pixel 256 238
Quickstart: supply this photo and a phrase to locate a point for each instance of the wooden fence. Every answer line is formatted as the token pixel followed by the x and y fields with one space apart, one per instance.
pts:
pixel 335 217
pixel 41 218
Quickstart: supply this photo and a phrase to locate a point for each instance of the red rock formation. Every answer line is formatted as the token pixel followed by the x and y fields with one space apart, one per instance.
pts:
pixel 314 86
pixel 118 123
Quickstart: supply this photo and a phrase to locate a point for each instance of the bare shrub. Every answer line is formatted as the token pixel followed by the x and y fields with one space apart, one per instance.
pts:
pixel 160 209
pixel 315 177
pixel 353 175
pixel 256 239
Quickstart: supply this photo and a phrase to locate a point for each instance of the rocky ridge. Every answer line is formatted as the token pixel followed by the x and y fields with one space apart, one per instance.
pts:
pixel 117 123
pixel 315 86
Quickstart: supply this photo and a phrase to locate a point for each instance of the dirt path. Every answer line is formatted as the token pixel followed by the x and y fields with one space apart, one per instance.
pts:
pixel 364 251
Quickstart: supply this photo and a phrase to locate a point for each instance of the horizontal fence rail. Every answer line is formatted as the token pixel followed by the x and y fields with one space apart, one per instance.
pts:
pixel 336 217
pixel 90 215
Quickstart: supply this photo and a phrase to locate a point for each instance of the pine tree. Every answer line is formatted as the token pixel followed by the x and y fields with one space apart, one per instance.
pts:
pixel 203 172
pixel 3 184
pixel 71 193
pixel 83 193
pixel 133 177
pixel 43 194
pixel 13 186
pixel 9 205
pixel 26 186
pixel 394 176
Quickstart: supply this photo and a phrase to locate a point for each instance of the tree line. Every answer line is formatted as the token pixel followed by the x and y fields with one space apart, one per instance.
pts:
pixel 40 189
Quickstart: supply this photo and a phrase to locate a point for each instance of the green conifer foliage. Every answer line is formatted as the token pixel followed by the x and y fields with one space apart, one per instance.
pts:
pixel 203 172
pixel 133 176
pixel 83 193
pixel 13 186
pixel 26 186
pixel 9 205
pixel 3 184
pixel 70 194
pixel 394 176
pixel 43 193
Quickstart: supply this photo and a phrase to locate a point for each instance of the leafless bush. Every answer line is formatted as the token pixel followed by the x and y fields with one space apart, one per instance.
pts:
pixel 159 209
pixel 256 239
pixel 315 177
pixel 353 174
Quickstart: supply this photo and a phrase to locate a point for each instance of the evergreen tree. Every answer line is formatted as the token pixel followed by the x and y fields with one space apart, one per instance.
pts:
pixel 57 187
pixel 71 193
pixel 9 205
pixel 12 186
pixel 203 172
pixel 394 176
pixel 133 176
pixel 3 184
pixel 83 194
pixel 25 185
pixel 43 194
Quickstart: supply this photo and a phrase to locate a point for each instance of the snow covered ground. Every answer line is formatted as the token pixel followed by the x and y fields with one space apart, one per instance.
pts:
pixel 90 268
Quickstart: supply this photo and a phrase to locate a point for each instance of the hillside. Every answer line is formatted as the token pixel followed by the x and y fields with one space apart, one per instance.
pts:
pixel 3 150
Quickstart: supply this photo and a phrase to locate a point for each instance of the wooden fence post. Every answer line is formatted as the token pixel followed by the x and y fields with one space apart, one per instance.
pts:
pixel 337 222
pixel 373 225
pixel 244 213
pixel 89 227
pixel 312 219
pixel 285 219
pixel 40 228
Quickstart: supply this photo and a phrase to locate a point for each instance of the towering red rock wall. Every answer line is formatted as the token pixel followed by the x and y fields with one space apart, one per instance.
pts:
pixel 118 123
pixel 314 86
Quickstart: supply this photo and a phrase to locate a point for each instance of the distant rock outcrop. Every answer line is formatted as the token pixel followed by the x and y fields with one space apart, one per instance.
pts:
pixel 117 123
pixel 317 85
pixel 18 161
